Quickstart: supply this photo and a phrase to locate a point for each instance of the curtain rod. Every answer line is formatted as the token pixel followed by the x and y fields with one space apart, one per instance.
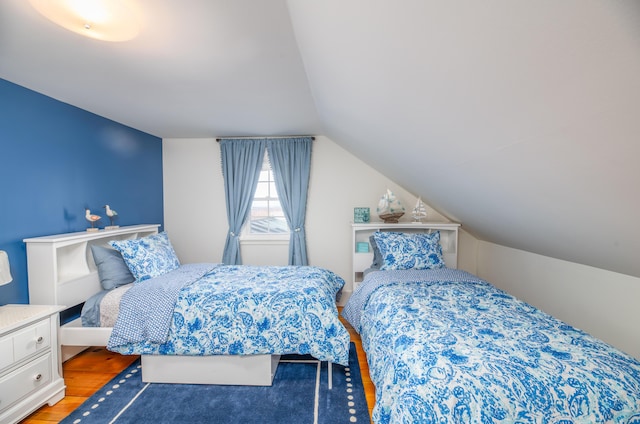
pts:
pixel 250 137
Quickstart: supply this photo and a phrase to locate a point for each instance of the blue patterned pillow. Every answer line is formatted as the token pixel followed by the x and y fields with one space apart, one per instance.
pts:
pixel 409 251
pixel 377 256
pixel 148 257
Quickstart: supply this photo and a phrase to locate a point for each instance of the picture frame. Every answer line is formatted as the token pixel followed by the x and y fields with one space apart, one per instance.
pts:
pixel 361 215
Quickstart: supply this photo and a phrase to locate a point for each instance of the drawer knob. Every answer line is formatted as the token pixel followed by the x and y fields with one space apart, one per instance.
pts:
pixel 40 340
pixel 38 377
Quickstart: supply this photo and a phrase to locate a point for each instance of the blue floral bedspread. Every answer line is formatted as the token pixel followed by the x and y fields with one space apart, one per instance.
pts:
pixel 462 351
pixel 244 310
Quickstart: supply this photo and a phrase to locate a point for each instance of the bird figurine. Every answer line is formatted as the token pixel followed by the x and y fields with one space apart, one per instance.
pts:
pixel 92 219
pixel 111 214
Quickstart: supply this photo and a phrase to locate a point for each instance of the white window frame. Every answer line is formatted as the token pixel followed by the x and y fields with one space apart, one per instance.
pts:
pixel 246 237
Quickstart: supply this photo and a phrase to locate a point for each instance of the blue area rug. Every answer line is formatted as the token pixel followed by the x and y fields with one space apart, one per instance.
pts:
pixel 299 394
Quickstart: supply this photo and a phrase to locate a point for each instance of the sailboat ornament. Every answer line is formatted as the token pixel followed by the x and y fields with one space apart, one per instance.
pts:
pixel 389 208
pixel 419 212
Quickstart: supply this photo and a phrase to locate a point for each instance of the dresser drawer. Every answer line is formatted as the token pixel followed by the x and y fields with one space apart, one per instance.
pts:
pixel 31 340
pixel 6 352
pixel 25 380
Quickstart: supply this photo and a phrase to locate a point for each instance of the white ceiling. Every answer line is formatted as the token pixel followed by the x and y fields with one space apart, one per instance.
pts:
pixel 198 68
pixel 520 119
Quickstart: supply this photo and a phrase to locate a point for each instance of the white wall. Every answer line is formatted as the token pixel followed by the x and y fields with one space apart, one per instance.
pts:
pixel 194 208
pixel 195 214
pixel 339 182
pixel 602 303
pixel 467 251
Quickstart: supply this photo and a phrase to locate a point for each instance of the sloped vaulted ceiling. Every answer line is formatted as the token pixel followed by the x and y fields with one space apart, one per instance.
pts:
pixel 197 69
pixel 518 118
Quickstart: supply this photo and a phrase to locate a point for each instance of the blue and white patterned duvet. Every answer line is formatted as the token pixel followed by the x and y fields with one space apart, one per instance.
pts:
pixel 240 310
pixel 462 351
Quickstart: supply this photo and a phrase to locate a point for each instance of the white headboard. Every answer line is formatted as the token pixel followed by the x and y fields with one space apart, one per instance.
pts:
pixel 60 267
pixel 362 258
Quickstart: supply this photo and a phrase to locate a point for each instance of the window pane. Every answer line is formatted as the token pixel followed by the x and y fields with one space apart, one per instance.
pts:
pixel 266 215
pixel 272 190
pixel 262 190
pixel 275 209
pixel 260 209
pixel 278 225
pixel 269 225
pixel 260 226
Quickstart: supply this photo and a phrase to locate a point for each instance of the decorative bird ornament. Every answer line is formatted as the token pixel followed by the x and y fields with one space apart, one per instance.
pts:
pixel 111 214
pixel 92 219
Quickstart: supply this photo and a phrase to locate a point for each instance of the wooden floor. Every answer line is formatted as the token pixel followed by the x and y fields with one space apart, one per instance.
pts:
pixel 93 368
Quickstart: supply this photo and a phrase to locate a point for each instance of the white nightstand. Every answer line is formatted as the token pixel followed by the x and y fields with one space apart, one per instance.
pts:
pixel 30 368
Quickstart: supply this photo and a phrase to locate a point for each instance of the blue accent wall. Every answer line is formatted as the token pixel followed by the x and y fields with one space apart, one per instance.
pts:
pixel 57 160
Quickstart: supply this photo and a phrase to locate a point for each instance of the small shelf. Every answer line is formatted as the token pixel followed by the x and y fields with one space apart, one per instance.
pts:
pixel 72 262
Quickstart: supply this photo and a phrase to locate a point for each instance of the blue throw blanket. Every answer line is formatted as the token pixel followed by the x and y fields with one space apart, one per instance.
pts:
pixel 235 310
pixel 375 279
pixel 460 350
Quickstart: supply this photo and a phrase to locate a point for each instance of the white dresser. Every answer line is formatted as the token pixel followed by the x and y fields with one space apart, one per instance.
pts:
pixel 30 368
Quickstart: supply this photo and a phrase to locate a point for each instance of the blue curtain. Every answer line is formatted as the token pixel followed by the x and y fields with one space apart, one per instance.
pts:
pixel 241 164
pixel 290 160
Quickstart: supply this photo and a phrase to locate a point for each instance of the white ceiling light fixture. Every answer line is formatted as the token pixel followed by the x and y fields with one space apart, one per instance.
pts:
pixel 107 20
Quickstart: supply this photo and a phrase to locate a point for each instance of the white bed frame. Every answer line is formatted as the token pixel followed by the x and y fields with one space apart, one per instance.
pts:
pixel 62 272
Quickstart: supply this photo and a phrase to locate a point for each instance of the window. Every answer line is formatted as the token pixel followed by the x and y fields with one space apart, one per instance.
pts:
pixel 266 217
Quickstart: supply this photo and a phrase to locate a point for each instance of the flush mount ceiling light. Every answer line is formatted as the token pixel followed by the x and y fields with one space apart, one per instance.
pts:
pixel 108 20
